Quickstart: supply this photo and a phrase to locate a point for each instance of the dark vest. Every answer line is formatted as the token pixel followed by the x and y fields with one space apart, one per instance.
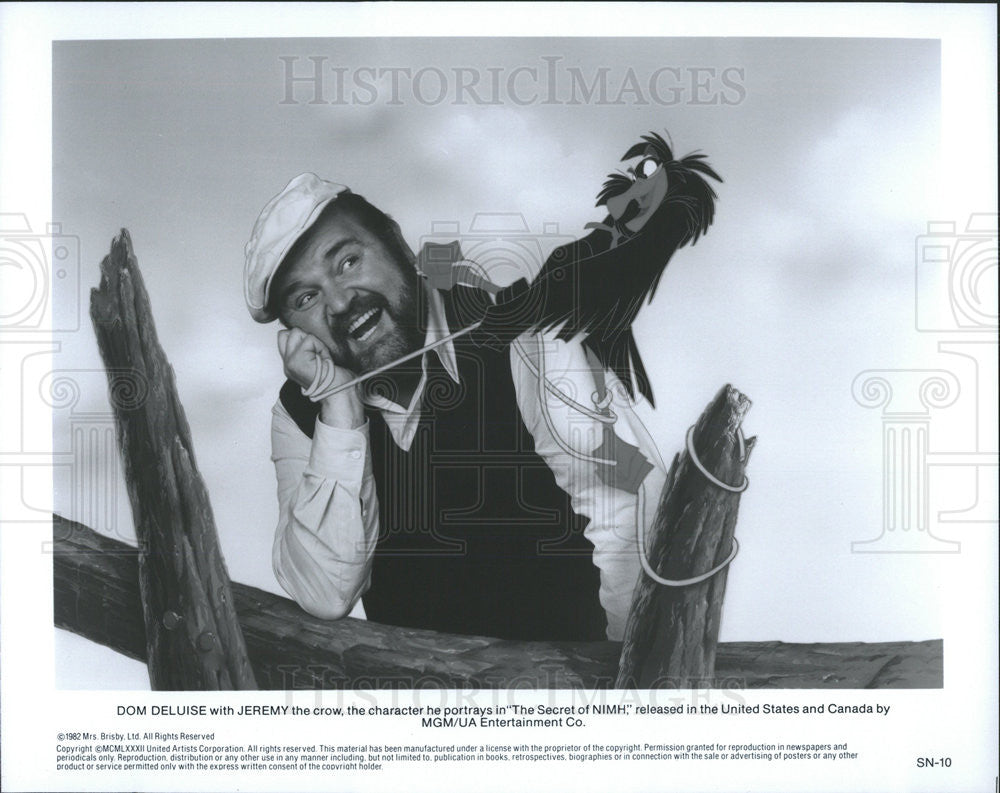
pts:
pixel 475 535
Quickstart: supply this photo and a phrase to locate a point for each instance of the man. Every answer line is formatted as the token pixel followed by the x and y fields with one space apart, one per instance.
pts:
pixel 452 492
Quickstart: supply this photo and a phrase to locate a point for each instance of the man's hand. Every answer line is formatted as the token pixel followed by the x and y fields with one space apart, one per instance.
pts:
pixel 302 354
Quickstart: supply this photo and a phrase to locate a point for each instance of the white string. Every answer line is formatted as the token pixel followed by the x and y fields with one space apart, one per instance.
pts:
pixel 317 376
pixel 641 526
pixel 610 418
pixel 408 357
pixel 324 375
pixel 708 474
pixel 641 493
pixel 640 509
pixel 391 364
pixel 648 568
pixel 542 382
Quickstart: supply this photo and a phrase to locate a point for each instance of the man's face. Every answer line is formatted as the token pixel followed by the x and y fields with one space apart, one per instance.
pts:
pixel 347 288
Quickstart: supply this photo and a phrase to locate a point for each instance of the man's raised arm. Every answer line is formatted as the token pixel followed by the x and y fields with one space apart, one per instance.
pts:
pixel 328 514
pixel 328 523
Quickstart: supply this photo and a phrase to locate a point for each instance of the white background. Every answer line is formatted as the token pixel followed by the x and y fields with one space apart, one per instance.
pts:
pixel 834 162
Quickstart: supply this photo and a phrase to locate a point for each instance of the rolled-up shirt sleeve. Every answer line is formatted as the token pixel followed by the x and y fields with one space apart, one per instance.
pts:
pixel 328 515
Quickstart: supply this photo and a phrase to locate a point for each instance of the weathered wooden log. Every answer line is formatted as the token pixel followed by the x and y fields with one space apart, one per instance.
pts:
pixel 193 639
pixel 97 596
pixel 672 632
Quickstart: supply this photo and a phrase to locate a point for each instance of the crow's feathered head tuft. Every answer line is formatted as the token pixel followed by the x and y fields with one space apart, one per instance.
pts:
pixel 687 191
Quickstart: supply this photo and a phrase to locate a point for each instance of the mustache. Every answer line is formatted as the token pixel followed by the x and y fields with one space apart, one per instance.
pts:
pixel 359 305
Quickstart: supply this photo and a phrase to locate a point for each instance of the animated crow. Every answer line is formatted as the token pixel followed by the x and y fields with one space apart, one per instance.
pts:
pixel 595 286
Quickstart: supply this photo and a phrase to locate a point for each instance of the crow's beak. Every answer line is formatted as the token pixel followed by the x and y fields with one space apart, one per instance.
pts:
pixel 637 204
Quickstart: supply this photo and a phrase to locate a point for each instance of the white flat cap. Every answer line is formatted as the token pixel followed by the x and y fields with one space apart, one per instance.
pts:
pixel 285 218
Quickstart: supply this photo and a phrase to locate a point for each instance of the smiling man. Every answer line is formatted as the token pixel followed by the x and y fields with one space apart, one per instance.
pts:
pixel 348 283
pixel 450 492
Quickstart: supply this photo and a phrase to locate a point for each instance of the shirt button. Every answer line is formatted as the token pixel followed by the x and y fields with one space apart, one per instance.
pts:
pixel 355 454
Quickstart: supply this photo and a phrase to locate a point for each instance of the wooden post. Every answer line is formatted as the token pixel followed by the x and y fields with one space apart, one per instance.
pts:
pixel 672 632
pixel 193 639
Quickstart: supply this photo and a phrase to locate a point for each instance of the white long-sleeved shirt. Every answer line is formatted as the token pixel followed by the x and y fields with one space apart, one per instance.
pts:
pixel 329 516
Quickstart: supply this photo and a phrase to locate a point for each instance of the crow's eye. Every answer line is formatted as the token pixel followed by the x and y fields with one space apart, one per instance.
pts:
pixel 646 168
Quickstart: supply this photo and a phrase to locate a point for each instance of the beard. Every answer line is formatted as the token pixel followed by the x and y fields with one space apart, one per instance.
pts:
pixel 404 333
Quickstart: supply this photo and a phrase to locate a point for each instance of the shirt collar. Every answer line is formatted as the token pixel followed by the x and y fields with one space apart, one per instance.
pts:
pixel 437 329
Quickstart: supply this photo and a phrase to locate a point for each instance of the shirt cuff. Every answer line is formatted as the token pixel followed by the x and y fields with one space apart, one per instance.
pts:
pixel 337 453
